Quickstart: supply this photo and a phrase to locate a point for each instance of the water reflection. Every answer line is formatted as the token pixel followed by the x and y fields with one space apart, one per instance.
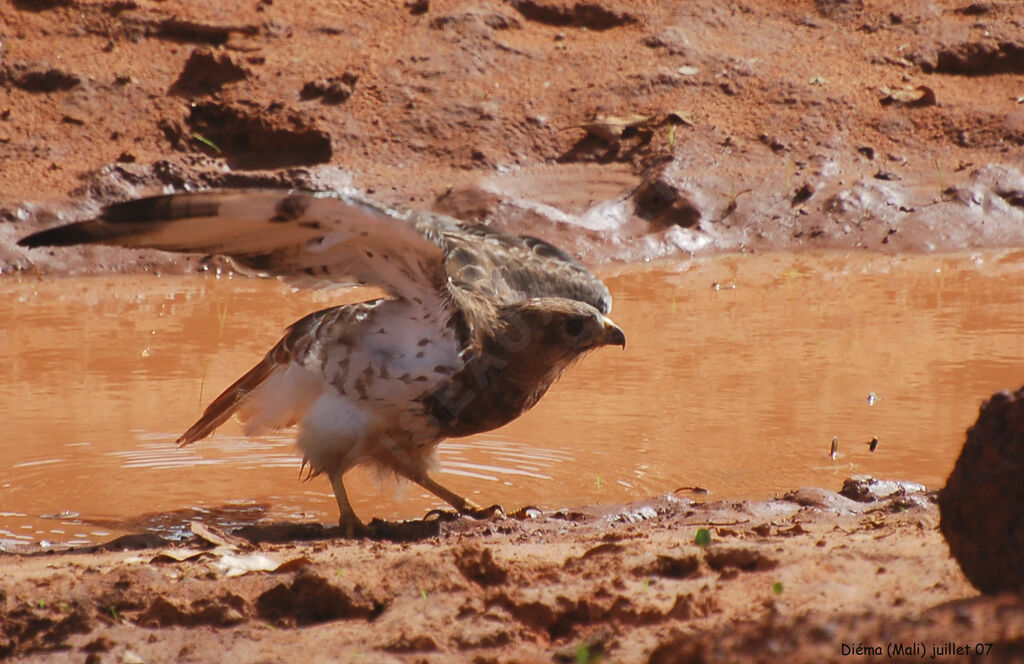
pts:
pixel 739 373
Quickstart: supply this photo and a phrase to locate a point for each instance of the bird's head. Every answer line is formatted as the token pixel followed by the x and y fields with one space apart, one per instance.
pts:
pixel 555 330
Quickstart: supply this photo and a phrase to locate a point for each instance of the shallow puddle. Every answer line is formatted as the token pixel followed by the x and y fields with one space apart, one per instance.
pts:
pixel 738 373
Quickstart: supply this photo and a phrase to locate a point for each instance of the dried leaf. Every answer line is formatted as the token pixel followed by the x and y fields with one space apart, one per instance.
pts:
pixel 680 117
pixel 131 657
pixel 611 129
pixel 917 97
pixel 292 565
pixel 216 536
pixel 232 565
pixel 178 555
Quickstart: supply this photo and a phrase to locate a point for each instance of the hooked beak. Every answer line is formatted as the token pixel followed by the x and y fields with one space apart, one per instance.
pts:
pixel 613 334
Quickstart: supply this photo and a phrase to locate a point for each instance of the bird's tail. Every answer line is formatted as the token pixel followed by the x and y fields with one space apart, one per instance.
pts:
pixel 275 393
pixel 229 401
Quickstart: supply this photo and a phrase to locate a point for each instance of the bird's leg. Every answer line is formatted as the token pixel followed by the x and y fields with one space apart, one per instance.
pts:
pixel 462 505
pixel 348 521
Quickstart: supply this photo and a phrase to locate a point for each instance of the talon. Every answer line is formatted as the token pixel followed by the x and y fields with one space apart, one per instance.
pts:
pixel 527 512
pixel 440 515
pixel 352 527
pixel 485 512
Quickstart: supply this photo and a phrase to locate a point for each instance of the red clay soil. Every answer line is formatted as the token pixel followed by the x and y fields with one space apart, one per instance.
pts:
pixel 623 130
pixel 620 130
pixel 810 577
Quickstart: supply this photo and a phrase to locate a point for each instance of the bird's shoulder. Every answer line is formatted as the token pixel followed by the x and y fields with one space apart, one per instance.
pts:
pixel 509 268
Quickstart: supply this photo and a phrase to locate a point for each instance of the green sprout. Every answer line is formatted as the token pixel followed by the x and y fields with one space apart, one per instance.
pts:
pixel 702 538
pixel 584 656
pixel 207 142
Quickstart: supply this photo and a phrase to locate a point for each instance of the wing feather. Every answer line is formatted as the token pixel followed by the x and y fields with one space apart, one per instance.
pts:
pixel 307 239
pixel 510 269
pixel 324 239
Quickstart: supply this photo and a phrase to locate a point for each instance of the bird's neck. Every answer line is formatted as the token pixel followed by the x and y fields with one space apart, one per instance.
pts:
pixel 497 384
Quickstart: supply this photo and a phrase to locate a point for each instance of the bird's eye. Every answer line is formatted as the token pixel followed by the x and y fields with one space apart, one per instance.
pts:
pixel 574 327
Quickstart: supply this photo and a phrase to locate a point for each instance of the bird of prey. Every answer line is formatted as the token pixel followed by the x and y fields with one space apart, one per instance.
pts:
pixel 475 326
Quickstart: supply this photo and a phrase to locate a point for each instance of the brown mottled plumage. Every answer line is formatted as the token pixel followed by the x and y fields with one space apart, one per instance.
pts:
pixel 475 328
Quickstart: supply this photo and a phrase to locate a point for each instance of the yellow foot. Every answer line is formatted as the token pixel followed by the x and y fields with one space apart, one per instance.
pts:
pixel 484 512
pixel 527 512
pixel 352 527
pixel 470 510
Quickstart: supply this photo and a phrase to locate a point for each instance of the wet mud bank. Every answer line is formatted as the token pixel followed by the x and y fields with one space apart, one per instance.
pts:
pixel 671 579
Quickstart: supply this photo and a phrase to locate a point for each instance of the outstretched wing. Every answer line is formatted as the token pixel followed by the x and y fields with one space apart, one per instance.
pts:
pixel 328 239
pixel 307 239
pixel 511 269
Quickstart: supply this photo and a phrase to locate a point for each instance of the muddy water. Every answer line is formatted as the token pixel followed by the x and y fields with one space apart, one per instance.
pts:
pixel 739 372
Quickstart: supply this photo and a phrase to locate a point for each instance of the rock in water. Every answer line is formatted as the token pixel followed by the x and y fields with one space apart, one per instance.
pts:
pixel 982 503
